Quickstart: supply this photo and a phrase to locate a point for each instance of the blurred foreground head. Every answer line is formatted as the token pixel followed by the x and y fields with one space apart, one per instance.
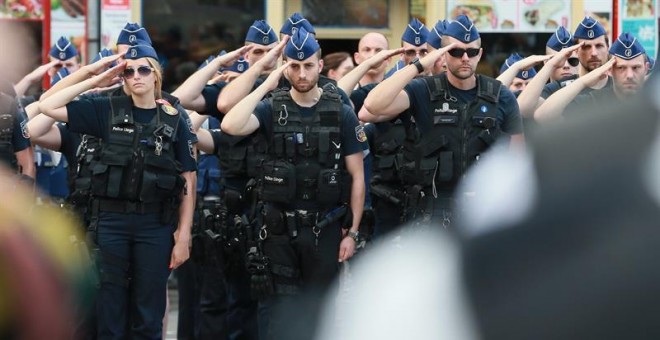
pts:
pixel 40 269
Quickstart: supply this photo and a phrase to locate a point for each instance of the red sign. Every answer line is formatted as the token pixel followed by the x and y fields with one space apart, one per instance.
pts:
pixel 115 4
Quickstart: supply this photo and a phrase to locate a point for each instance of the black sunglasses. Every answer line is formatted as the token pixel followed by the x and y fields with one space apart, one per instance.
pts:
pixel 412 53
pixel 573 61
pixel 458 52
pixel 142 70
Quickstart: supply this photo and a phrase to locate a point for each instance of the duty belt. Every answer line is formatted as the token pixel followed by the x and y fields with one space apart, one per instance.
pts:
pixel 129 207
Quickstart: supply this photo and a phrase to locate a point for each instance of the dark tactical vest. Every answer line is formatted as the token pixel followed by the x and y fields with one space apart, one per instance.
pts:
pixel 80 174
pixel 137 162
pixel 305 162
pixel 387 149
pixel 7 121
pixel 241 156
pixel 459 135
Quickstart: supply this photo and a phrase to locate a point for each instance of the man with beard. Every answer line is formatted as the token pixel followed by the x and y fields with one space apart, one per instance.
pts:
pixel 628 68
pixel 591 36
pixel 458 115
pixel 315 143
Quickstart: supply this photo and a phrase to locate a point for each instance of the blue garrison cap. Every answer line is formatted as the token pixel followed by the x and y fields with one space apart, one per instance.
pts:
pixel 589 29
pixel 562 38
pixel 416 33
pixel 102 54
pixel 141 51
pixel 399 65
pixel 239 66
pixel 435 34
pixel 301 46
pixel 627 47
pixel 462 29
pixel 261 33
pixel 512 59
pixel 63 49
pixel 208 60
pixel 295 22
pixel 132 33
pixel 61 74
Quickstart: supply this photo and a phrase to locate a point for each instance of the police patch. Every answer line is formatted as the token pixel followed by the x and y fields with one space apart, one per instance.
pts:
pixel 24 130
pixel 191 149
pixel 360 135
pixel 167 107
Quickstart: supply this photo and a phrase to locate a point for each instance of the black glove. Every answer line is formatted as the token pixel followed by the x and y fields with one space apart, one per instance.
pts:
pixel 261 280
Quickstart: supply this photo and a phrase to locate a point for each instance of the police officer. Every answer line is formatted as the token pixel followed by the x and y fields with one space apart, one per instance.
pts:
pixel 521 79
pixel 369 45
pixel 295 22
pixel 414 45
pixel 557 72
pixel 434 42
pixel 66 54
pixel 458 115
pixel 15 149
pixel 144 176
pixel 591 36
pixel 315 142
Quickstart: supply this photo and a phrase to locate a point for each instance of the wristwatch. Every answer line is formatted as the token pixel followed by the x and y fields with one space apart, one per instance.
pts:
pixel 354 235
pixel 418 64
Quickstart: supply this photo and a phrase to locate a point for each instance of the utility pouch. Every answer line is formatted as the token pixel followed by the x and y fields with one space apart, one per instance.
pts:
pixel 278 182
pixel 329 186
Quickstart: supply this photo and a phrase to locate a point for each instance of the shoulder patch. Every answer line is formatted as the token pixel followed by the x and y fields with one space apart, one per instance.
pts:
pixel 191 149
pixel 24 130
pixel 360 135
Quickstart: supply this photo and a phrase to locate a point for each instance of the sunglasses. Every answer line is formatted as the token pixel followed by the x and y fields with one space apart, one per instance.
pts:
pixel 142 71
pixel 458 52
pixel 573 61
pixel 413 53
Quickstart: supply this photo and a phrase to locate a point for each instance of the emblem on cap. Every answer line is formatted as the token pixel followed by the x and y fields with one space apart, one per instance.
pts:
pixel 265 40
pixel 590 33
pixel 134 53
pixel 294 30
pixel 525 74
pixel 301 55
pixel 467 37
pixel 418 41
pixel 62 55
pixel 628 52
pixel 132 38
pixel 240 67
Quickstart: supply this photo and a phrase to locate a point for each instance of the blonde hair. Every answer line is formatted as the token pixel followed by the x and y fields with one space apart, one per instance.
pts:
pixel 158 74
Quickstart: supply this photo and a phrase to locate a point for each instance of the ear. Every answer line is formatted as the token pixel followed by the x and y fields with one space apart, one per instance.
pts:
pixel 356 57
pixel 320 65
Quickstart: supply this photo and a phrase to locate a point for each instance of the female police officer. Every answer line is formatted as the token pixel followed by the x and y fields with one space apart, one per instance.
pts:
pixel 146 169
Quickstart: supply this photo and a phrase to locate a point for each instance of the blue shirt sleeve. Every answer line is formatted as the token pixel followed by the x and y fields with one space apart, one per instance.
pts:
pixel 183 146
pixel 20 138
pixel 263 112
pixel 354 139
pixel 69 143
pixel 420 103
pixel 189 125
pixel 211 94
pixel 89 116
pixel 509 113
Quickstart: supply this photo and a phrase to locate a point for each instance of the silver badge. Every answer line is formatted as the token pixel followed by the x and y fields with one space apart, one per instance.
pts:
pixel 418 41
pixel 525 74
pixel 467 37
pixel 294 30
pixel 628 52
pixel 590 33
pixel 62 55
pixel 301 55
pixel 265 40
pixel 132 38
pixel 134 53
pixel 240 67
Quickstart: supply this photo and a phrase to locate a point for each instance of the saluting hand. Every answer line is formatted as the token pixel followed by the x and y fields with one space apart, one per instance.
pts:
pixel 559 58
pixel 102 64
pixel 274 77
pixel 429 60
pixel 529 62
pixel 592 78
pixel 269 61
pixel 111 76
pixel 230 58
pixel 38 73
pixel 377 59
